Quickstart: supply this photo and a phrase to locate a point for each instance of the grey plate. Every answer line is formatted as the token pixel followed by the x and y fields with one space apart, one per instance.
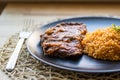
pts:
pixel 83 63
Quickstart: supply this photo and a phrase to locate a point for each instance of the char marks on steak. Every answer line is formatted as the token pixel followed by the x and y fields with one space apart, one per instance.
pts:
pixel 64 39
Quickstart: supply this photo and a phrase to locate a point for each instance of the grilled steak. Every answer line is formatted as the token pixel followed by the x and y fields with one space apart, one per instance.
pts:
pixel 63 40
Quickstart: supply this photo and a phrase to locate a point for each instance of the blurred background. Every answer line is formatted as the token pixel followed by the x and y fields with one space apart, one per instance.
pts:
pixel 59 7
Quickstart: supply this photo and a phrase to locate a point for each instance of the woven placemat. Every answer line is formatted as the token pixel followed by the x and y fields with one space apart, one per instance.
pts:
pixel 28 68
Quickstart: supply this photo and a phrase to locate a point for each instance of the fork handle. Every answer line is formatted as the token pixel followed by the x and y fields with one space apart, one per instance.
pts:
pixel 13 59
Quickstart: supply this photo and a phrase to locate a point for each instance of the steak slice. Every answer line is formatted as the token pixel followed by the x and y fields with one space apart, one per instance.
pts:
pixel 64 39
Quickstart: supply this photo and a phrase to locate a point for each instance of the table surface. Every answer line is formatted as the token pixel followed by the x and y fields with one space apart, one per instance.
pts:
pixel 14 14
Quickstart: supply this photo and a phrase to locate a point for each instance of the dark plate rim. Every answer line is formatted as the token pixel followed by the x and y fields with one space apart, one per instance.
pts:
pixel 68 68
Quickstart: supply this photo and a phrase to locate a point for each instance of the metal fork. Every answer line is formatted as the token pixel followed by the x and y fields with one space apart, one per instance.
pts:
pixel 23 35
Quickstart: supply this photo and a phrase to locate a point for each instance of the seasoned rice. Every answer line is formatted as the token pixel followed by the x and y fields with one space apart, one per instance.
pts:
pixel 103 44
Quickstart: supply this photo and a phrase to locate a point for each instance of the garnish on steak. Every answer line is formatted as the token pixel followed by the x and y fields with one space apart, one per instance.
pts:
pixel 64 39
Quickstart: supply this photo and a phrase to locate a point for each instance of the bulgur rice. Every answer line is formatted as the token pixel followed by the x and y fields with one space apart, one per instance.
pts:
pixel 103 44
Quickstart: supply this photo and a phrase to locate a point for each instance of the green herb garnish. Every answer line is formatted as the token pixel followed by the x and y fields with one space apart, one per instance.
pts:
pixel 117 28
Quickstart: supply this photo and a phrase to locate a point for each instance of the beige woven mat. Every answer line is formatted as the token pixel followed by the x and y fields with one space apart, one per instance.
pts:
pixel 28 68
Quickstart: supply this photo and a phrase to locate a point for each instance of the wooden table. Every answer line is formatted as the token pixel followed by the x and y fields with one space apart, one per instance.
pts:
pixel 12 17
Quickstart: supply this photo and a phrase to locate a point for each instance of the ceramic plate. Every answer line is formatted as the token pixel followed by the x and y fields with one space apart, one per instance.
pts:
pixel 83 63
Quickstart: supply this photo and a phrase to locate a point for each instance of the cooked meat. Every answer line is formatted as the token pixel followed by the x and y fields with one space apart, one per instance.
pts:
pixel 63 40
